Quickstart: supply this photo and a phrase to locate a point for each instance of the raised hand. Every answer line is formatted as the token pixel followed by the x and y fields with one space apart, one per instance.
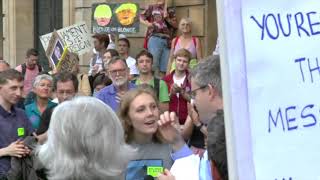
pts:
pixel 169 130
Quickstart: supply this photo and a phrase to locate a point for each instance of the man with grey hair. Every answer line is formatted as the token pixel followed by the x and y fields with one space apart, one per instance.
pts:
pixel 207 95
pixel 118 72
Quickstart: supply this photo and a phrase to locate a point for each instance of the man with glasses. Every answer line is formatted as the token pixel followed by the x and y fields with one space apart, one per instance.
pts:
pixel 207 96
pixel 66 87
pixel 118 72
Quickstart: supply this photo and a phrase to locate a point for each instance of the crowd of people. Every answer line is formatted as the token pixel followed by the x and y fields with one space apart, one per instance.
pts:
pixel 124 119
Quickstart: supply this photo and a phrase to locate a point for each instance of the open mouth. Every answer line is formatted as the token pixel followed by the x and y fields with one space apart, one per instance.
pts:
pixel 149 123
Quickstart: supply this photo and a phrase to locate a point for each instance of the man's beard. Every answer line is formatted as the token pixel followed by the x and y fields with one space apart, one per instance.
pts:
pixel 121 81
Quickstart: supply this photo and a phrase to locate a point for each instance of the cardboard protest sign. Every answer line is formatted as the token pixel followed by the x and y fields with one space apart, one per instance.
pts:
pixel 68 63
pixel 75 37
pixel 115 18
pixel 55 49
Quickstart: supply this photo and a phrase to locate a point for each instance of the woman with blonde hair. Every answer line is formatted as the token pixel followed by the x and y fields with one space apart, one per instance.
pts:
pixel 185 41
pixel 139 112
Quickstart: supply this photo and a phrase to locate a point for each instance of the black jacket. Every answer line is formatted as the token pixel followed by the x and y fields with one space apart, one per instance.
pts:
pixel 29 167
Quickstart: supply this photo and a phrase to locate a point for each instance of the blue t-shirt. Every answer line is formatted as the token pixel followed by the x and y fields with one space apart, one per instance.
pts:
pixel 109 95
pixel 14 125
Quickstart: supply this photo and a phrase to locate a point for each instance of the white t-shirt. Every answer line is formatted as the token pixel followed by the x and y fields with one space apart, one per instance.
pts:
pixel 131 62
pixel 179 82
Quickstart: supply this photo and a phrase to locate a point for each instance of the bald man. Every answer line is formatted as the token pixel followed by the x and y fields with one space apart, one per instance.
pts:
pixel 4 65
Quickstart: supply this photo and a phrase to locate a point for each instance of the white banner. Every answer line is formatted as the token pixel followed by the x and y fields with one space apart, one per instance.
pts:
pixel 75 37
pixel 282 40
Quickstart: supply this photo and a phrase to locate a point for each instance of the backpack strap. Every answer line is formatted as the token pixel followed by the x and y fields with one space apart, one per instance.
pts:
pixel 194 39
pixel 157 86
pixel 133 81
pixel 176 42
pixel 23 69
pixel 39 67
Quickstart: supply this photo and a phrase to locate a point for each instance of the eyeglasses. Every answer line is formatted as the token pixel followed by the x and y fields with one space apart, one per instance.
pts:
pixel 194 92
pixel 118 71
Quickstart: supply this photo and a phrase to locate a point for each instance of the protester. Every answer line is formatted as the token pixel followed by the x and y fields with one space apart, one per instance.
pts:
pixel 66 87
pixel 161 27
pixel 179 85
pixel 14 124
pixel 140 114
pixel 118 72
pixel 85 141
pixel 207 94
pixel 100 82
pixel 84 88
pixel 144 64
pixel 108 55
pixel 30 69
pixel 4 65
pixel 42 87
pixel 123 49
pixel 185 41
pixel 101 42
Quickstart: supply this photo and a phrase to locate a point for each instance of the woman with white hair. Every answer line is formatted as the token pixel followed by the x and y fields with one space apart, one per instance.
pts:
pixel 85 141
pixel 42 87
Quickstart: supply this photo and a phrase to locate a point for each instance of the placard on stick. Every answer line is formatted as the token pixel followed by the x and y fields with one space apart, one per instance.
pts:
pixel 68 63
pixel 115 18
pixel 55 50
pixel 75 37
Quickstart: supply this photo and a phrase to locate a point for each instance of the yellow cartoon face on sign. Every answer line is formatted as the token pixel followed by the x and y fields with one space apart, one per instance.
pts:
pixel 102 14
pixel 126 13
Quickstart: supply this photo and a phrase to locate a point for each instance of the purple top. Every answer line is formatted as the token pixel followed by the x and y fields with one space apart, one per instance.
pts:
pixel 191 48
pixel 14 125
pixel 108 95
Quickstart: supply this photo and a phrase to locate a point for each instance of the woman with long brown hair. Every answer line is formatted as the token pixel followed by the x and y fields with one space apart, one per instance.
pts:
pixel 139 112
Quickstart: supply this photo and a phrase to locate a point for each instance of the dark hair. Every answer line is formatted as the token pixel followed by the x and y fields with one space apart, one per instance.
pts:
pixel 32 52
pixel 113 52
pixel 144 53
pixel 101 79
pixel 125 40
pixel 64 77
pixel 103 38
pixel 10 74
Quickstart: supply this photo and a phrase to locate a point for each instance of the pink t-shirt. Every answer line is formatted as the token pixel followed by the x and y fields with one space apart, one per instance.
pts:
pixel 28 78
